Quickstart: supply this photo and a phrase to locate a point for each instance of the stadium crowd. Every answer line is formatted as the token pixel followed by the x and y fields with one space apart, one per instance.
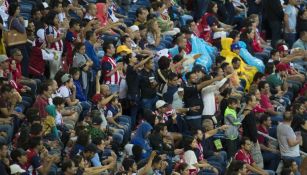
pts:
pixel 153 87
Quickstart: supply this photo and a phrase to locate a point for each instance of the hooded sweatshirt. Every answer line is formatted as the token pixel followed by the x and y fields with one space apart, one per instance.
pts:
pixel 141 138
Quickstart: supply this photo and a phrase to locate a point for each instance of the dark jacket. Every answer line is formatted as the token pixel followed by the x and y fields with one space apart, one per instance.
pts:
pixel 273 10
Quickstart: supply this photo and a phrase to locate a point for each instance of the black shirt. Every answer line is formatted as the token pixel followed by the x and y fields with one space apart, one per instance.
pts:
pixel 223 106
pixel 298 121
pixel 147 90
pixel 249 127
pixel 169 94
pixel 133 82
pixel 273 10
pixel 191 98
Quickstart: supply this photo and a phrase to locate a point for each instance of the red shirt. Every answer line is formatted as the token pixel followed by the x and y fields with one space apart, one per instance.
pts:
pixel 108 64
pixel 17 72
pixel 34 161
pixel 244 157
pixel 40 104
pixel 264 130
pixel 265 102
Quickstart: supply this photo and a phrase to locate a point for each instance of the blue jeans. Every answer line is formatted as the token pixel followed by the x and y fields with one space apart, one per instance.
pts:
pixel 290 38
pixel 148 103
pixel 298 159
pixel 9 130
pixel 221 158
pixel 193 122
pixel 184 18
pixel 270 160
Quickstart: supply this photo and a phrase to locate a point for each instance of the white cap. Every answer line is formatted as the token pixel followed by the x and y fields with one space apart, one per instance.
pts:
pixel 221 34
pixel 16 169
pixel 163 52
pixel 180 89
pixel 134 28
pixel 160 103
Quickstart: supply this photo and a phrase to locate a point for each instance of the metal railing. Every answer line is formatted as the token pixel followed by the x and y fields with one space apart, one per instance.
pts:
pixel 275 140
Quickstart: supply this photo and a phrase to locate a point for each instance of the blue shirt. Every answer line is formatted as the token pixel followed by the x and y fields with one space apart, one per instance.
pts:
pixel 90 51
pixel 79 91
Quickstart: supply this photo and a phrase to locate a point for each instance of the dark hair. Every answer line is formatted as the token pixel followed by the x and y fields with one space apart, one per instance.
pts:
pixel 226 92
pixel 34 10
pixel 189 22
pixel 97 140
pixel 127 163
pixel 89 34
pixel 224 65
pixel 177 58
pixel 210 7
pixel 124 38
pixel 235 60
pixel 156 159
pixel 44 87
pixel 243 140
pixel 58 101
pixel 66 165
pixel 248 98
pixel 263 118
pixel 77 48
pixel 139 11
pixel 49 20
pixel 149 116
pixel 106 46
pixel 219 59
pixel 246 32
pixel 188 75
pixel 187 141
pixel 296 107
pixel 34 142
pixel 235 166
pixel 164 63
pixel 12 8
pixel 73 70
pixel 257 76
pixel 286 171
pixel 73 22
pixel 172 76
pixel 233 34
pixel 77 160
pixel 36 128
pixel 273 52
pixel 1 145
pixel 15 154
pixel 159 127
pixel 156 5
pixel 6 88
pixel 58 77
pixel 32 116
pixel 269 68
pixel 83 138
pixel 232 100
pixel 137 152
pixel 262 84
pixel 288 163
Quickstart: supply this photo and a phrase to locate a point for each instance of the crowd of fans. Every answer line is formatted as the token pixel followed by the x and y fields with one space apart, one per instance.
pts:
pixel 153 87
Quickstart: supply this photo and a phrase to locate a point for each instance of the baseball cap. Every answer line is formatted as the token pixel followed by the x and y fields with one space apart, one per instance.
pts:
pixel 123 48
pixel 235 46
pixel 16 169
pixel 45 4
pixel 65 78
pixel 160 103
pixel 282 48
pixel 134 28
pixel 180 89
pixel 282 67
pixel 3 58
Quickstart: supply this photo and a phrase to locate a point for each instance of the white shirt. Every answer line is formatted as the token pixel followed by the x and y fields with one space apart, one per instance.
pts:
pixel 64 92
pixel 58 118
pixel 190 159
pixel 209 97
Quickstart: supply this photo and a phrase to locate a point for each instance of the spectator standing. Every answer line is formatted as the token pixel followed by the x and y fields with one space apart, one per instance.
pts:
pixel 288 140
